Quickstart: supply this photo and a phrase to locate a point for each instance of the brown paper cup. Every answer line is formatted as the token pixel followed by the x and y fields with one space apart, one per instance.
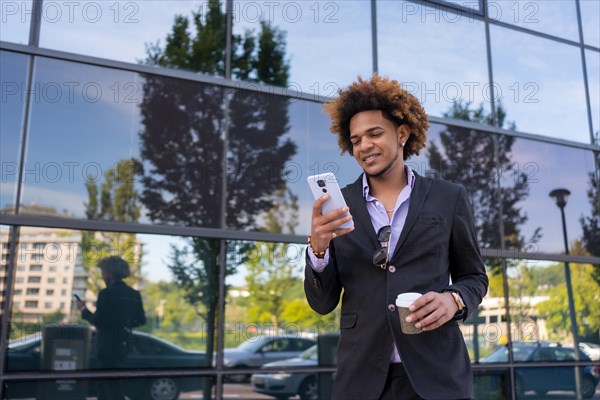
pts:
pixel 403 301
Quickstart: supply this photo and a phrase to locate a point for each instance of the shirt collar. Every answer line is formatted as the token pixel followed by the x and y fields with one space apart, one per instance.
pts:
pixel 409 173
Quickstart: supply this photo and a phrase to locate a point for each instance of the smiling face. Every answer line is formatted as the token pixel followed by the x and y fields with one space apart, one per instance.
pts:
pixel 377 143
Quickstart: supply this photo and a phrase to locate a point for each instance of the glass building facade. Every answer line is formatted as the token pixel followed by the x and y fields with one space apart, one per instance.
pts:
pixel 198 180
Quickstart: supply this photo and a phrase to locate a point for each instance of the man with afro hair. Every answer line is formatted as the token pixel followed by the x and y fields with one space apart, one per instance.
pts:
pixel 410 234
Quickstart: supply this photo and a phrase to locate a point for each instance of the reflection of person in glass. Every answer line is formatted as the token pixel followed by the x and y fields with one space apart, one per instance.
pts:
pixel 118 309
pixel 411 234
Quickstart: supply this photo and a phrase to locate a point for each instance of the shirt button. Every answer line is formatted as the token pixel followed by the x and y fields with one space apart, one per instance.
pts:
pixel 392 269
pixel 391 307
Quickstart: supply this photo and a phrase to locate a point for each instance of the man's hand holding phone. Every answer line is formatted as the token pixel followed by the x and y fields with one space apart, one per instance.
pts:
pixel 325 227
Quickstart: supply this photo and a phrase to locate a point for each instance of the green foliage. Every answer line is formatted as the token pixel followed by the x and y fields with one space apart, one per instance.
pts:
pixel 591 224
pixel 53 318
pixel 167 310
pixel 586 293
pixel 270 277
pixel 114 199
pixel 203 50
pixel 298 313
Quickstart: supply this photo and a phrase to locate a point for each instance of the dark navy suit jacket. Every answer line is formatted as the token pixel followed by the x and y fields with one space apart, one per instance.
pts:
pixel 438 240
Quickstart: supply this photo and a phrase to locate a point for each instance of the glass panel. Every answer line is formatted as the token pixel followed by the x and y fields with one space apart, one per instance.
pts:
pixel 548 382
pixel 468 4
pixel 54 265
pixel 346 25
pixel 13 71
pixel 539 301
pixel 98 28
pixel 558 17
pixel 442 57
pixel 590 14
pixel 528 72
pixel 112 145
pixel 151 388
pixel 491 383
pixel 592 59
pixel 541 165
pixel 268 182
pixel 266 308
pixel 457 155
pixel 16 18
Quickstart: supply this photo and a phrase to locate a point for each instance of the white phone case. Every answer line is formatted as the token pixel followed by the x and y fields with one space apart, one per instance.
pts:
pixel 327 184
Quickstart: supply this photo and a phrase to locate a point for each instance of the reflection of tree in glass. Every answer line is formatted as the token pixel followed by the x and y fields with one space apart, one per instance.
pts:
pixel 182 145
pixel 586 298
pixel 591 224
pixel 114 199
pixel 478 160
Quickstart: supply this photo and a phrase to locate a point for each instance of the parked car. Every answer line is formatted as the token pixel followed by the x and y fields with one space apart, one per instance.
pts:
pixel 591 349
pixel 147 351
pixel 260 350
pixel 282 384
pixel 544 379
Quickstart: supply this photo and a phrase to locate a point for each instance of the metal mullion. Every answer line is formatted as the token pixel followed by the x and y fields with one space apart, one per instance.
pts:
pixel 130 227
pixel 81 224
pixel 178 74
pixel 100 374
pixel 523 135
pixel 36 22
pixel 8 287
pixel 584 70
pixel 455 8
pixel 374 45
pixel 163 72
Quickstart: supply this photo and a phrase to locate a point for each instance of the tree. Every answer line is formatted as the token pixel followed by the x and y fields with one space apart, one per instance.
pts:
pixel 483 164
pixel 183 142
pixel 586 293
pixel 591 224
pixel 114 199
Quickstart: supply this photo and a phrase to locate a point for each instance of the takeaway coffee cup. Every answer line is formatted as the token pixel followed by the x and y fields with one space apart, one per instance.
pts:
pixel 403 301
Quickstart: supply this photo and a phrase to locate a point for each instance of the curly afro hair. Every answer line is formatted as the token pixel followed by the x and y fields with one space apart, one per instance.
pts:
pixel 378 93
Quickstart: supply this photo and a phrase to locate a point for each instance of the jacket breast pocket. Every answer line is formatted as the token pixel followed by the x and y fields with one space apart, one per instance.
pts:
pixel 348 321
pixel 432 220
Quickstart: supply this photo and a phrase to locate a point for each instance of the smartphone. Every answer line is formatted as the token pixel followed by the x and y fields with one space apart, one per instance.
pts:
pixel 77 297
pixel 327 183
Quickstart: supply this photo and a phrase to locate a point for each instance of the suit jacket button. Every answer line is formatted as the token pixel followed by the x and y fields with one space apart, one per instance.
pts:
pixel 391 307
pixel 392 269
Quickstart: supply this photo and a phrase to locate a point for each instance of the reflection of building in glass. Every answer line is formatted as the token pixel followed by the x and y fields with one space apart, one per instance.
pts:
pixel 525 324
pixel 49 272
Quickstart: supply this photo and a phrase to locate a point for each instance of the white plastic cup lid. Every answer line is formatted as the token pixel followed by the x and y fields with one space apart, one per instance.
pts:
pixel 406 299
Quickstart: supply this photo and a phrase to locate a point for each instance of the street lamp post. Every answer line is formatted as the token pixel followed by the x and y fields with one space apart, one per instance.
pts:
pixel 560 196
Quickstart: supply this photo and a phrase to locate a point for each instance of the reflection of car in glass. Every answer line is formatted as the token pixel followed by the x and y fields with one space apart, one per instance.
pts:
pixel 259 350
pixel 147 351
pixel 544 379
pixel 282 384
pixel 591 349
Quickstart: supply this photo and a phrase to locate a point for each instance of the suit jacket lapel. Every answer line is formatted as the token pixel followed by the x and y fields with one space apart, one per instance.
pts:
pixel 417 199
pixel 358 208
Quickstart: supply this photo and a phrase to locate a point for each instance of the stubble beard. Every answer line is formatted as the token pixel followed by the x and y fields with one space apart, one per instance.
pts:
pixel 385 169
